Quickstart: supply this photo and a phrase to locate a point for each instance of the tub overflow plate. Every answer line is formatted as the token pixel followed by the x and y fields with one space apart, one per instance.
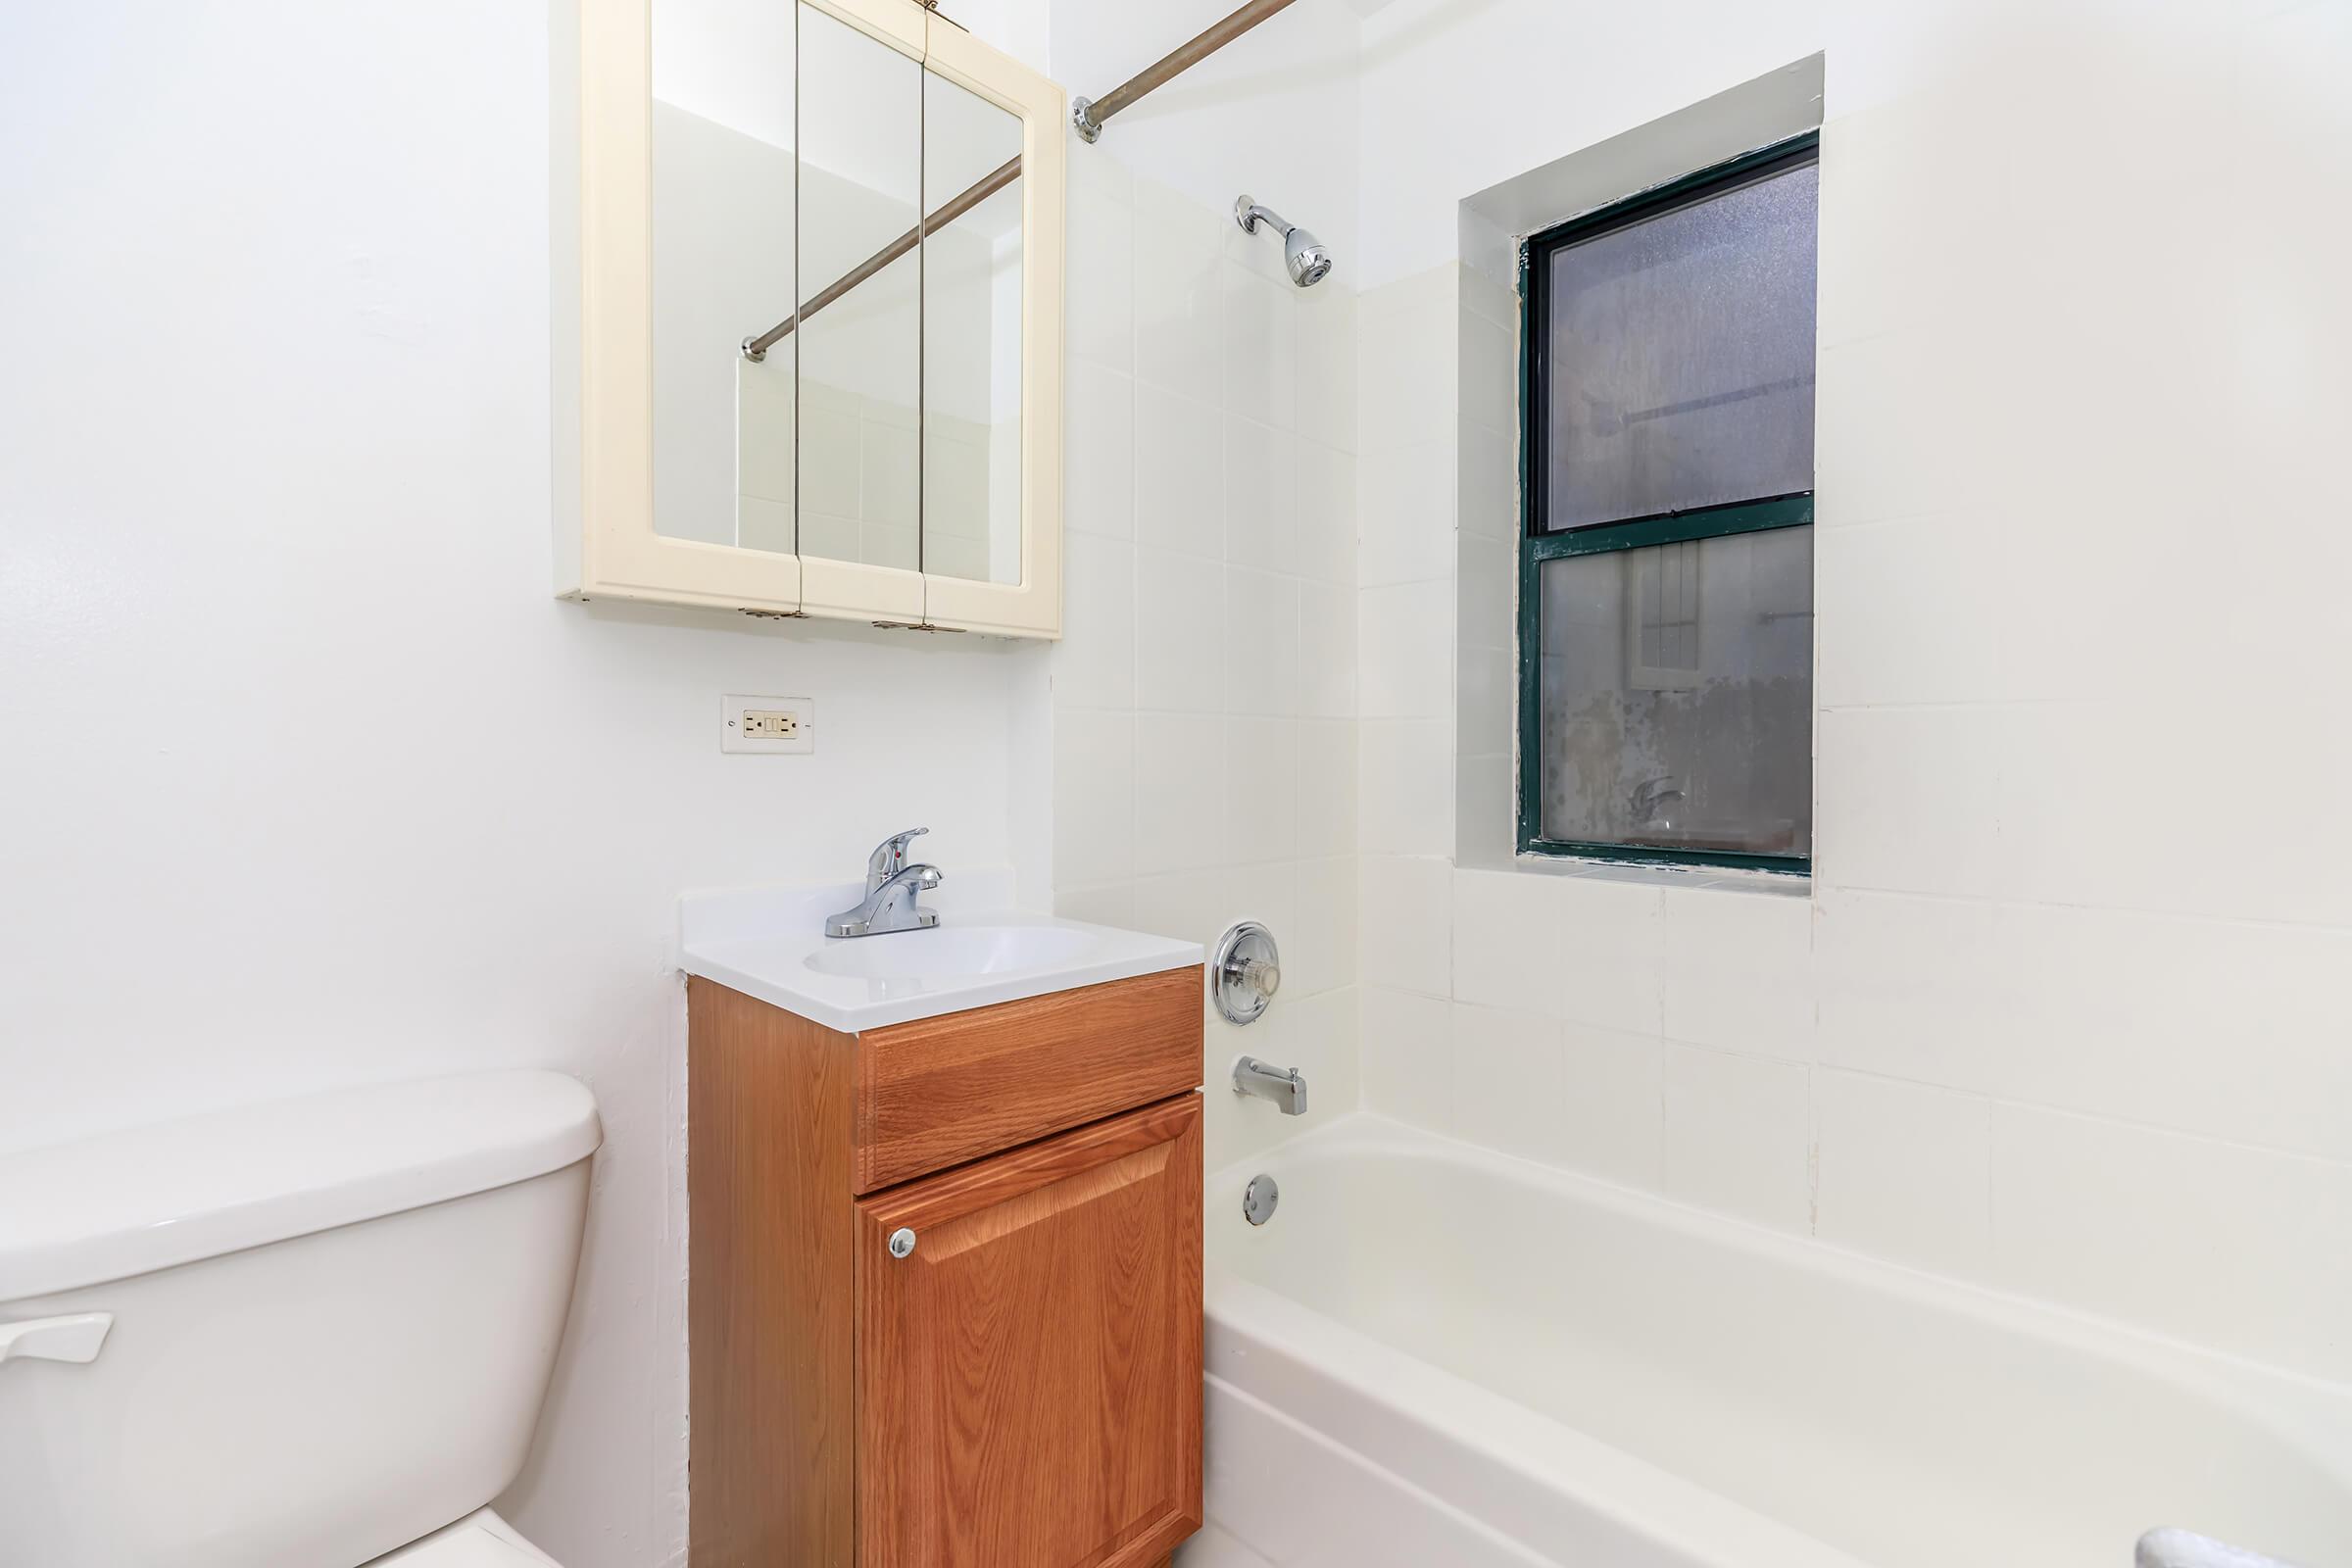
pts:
pixel 1260 1198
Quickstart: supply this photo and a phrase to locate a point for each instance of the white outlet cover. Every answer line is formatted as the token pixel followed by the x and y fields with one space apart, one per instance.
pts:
pixel 732 736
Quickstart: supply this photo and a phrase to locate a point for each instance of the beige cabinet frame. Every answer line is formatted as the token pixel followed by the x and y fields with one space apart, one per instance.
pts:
pixel 607 546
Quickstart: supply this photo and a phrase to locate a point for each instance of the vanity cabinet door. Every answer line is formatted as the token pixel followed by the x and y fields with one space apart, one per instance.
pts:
pixel 1029 1370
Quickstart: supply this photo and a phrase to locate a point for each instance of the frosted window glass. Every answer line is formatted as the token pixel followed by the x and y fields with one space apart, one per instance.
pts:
pixel 1676 694
pixel 1679 358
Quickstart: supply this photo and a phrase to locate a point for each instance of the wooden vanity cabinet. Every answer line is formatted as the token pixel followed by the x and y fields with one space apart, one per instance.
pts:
pixel 1021 1388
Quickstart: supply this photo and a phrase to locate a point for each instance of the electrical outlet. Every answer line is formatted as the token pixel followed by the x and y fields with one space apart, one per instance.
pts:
pixel 769 724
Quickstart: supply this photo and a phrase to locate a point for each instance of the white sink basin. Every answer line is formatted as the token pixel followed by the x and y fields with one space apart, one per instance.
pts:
pixel 952 951
pixel 770 944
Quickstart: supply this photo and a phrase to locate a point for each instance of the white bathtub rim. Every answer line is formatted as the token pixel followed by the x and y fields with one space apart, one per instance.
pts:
pixel 1461 1517
pixel 1285 1354
pixel 2313 1412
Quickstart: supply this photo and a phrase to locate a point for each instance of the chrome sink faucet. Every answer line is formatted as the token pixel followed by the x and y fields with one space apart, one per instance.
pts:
pixel 893 891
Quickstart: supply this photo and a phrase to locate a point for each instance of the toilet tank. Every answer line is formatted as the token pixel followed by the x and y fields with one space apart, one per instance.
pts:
pixel 327 1322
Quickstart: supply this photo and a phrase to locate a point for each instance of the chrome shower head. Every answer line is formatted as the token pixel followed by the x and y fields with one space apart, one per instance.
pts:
pixel 1302 252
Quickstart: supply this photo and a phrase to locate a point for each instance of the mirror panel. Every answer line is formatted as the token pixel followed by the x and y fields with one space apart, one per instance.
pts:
pixel 860 331
pixel 971 282
pixel 722 130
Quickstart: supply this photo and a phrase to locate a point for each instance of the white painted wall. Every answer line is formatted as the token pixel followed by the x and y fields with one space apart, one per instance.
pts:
pixel 2063 1013
pixel 308 779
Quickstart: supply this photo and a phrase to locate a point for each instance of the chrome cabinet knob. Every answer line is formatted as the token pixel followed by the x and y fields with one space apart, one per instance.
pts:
pixel 901 1243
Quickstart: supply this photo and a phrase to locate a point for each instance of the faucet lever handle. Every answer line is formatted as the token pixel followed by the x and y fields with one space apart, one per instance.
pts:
pixel 890 857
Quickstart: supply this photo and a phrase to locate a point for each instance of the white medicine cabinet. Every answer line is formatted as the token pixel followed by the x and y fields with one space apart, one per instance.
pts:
pixel 819 298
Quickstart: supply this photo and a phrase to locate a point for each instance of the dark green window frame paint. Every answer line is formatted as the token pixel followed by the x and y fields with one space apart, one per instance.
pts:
pixel 1536 547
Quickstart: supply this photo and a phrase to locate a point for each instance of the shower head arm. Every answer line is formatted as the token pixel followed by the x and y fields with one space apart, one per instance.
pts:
pixel 1249 214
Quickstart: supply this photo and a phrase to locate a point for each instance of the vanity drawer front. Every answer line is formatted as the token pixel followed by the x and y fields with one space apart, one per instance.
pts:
pixel 941 1091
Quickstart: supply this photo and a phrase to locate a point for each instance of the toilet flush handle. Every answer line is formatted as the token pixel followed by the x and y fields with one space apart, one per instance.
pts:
pixel 74 1337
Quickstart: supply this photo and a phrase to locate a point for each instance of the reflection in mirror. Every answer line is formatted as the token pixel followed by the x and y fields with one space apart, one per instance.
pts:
pixel 971 335
pixel 860 331
pixel 722 259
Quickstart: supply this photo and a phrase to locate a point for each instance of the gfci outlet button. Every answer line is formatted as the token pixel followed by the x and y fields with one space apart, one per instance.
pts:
pixel 775 724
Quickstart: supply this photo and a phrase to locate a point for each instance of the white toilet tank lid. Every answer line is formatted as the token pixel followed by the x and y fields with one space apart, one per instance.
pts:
pixel 131 1201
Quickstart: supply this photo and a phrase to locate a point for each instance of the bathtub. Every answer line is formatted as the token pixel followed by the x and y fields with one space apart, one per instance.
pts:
pixel 1435 1356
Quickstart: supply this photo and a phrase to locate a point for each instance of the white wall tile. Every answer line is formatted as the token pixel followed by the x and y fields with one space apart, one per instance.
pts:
pixel 1739 971
pixel 1487 593
pixel 1911 210
pixel 2218 1243
pixel 1267 892
pixel 1180 622
pixel 1883 775
pixel 1915 610
pixel 2032 668
pixel 1911 988
pixel 1485 810
pixel 1098 452
pixel 1261 496
pixel 1094 665
pixel 1405 651
pixel 1904 1171
pixel 1093 798
pixel 1612 1115
pixel 1179 293
pixel 1409 1053
pixel 1508 1090
pixel 1326 356
pixel 2208 1027
pixel 1405 787
pixel 1405 517
pixel 1611 954
pixel 1737 1136
pixel 1261 347
pixel 1179 792
pixel 1326 650
pixel 1183 905
pixel 1100 313
pixel 1407 915
pixel 1261 790
pixel 1489 366
pixel 1261 642
pixel 1488 486
pixel 1509 931
pixel 1900 410
pixel 1110 904
pixel 1487 700
pixel 1179 473
pixel 1319 951
pixel 1326 523
pixel 1407 369
pixel 1327 808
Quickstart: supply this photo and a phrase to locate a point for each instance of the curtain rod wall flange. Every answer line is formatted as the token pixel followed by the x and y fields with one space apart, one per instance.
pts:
pixel 1088 115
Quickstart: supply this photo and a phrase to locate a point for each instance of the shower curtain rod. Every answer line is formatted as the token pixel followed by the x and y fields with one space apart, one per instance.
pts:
pixel 755 348
pixel 1088 114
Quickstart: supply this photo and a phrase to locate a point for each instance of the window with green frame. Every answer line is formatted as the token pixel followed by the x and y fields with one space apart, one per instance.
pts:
pixel 1666 566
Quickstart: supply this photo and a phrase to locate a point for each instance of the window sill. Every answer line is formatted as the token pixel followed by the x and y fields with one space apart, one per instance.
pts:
pixel 1718 878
